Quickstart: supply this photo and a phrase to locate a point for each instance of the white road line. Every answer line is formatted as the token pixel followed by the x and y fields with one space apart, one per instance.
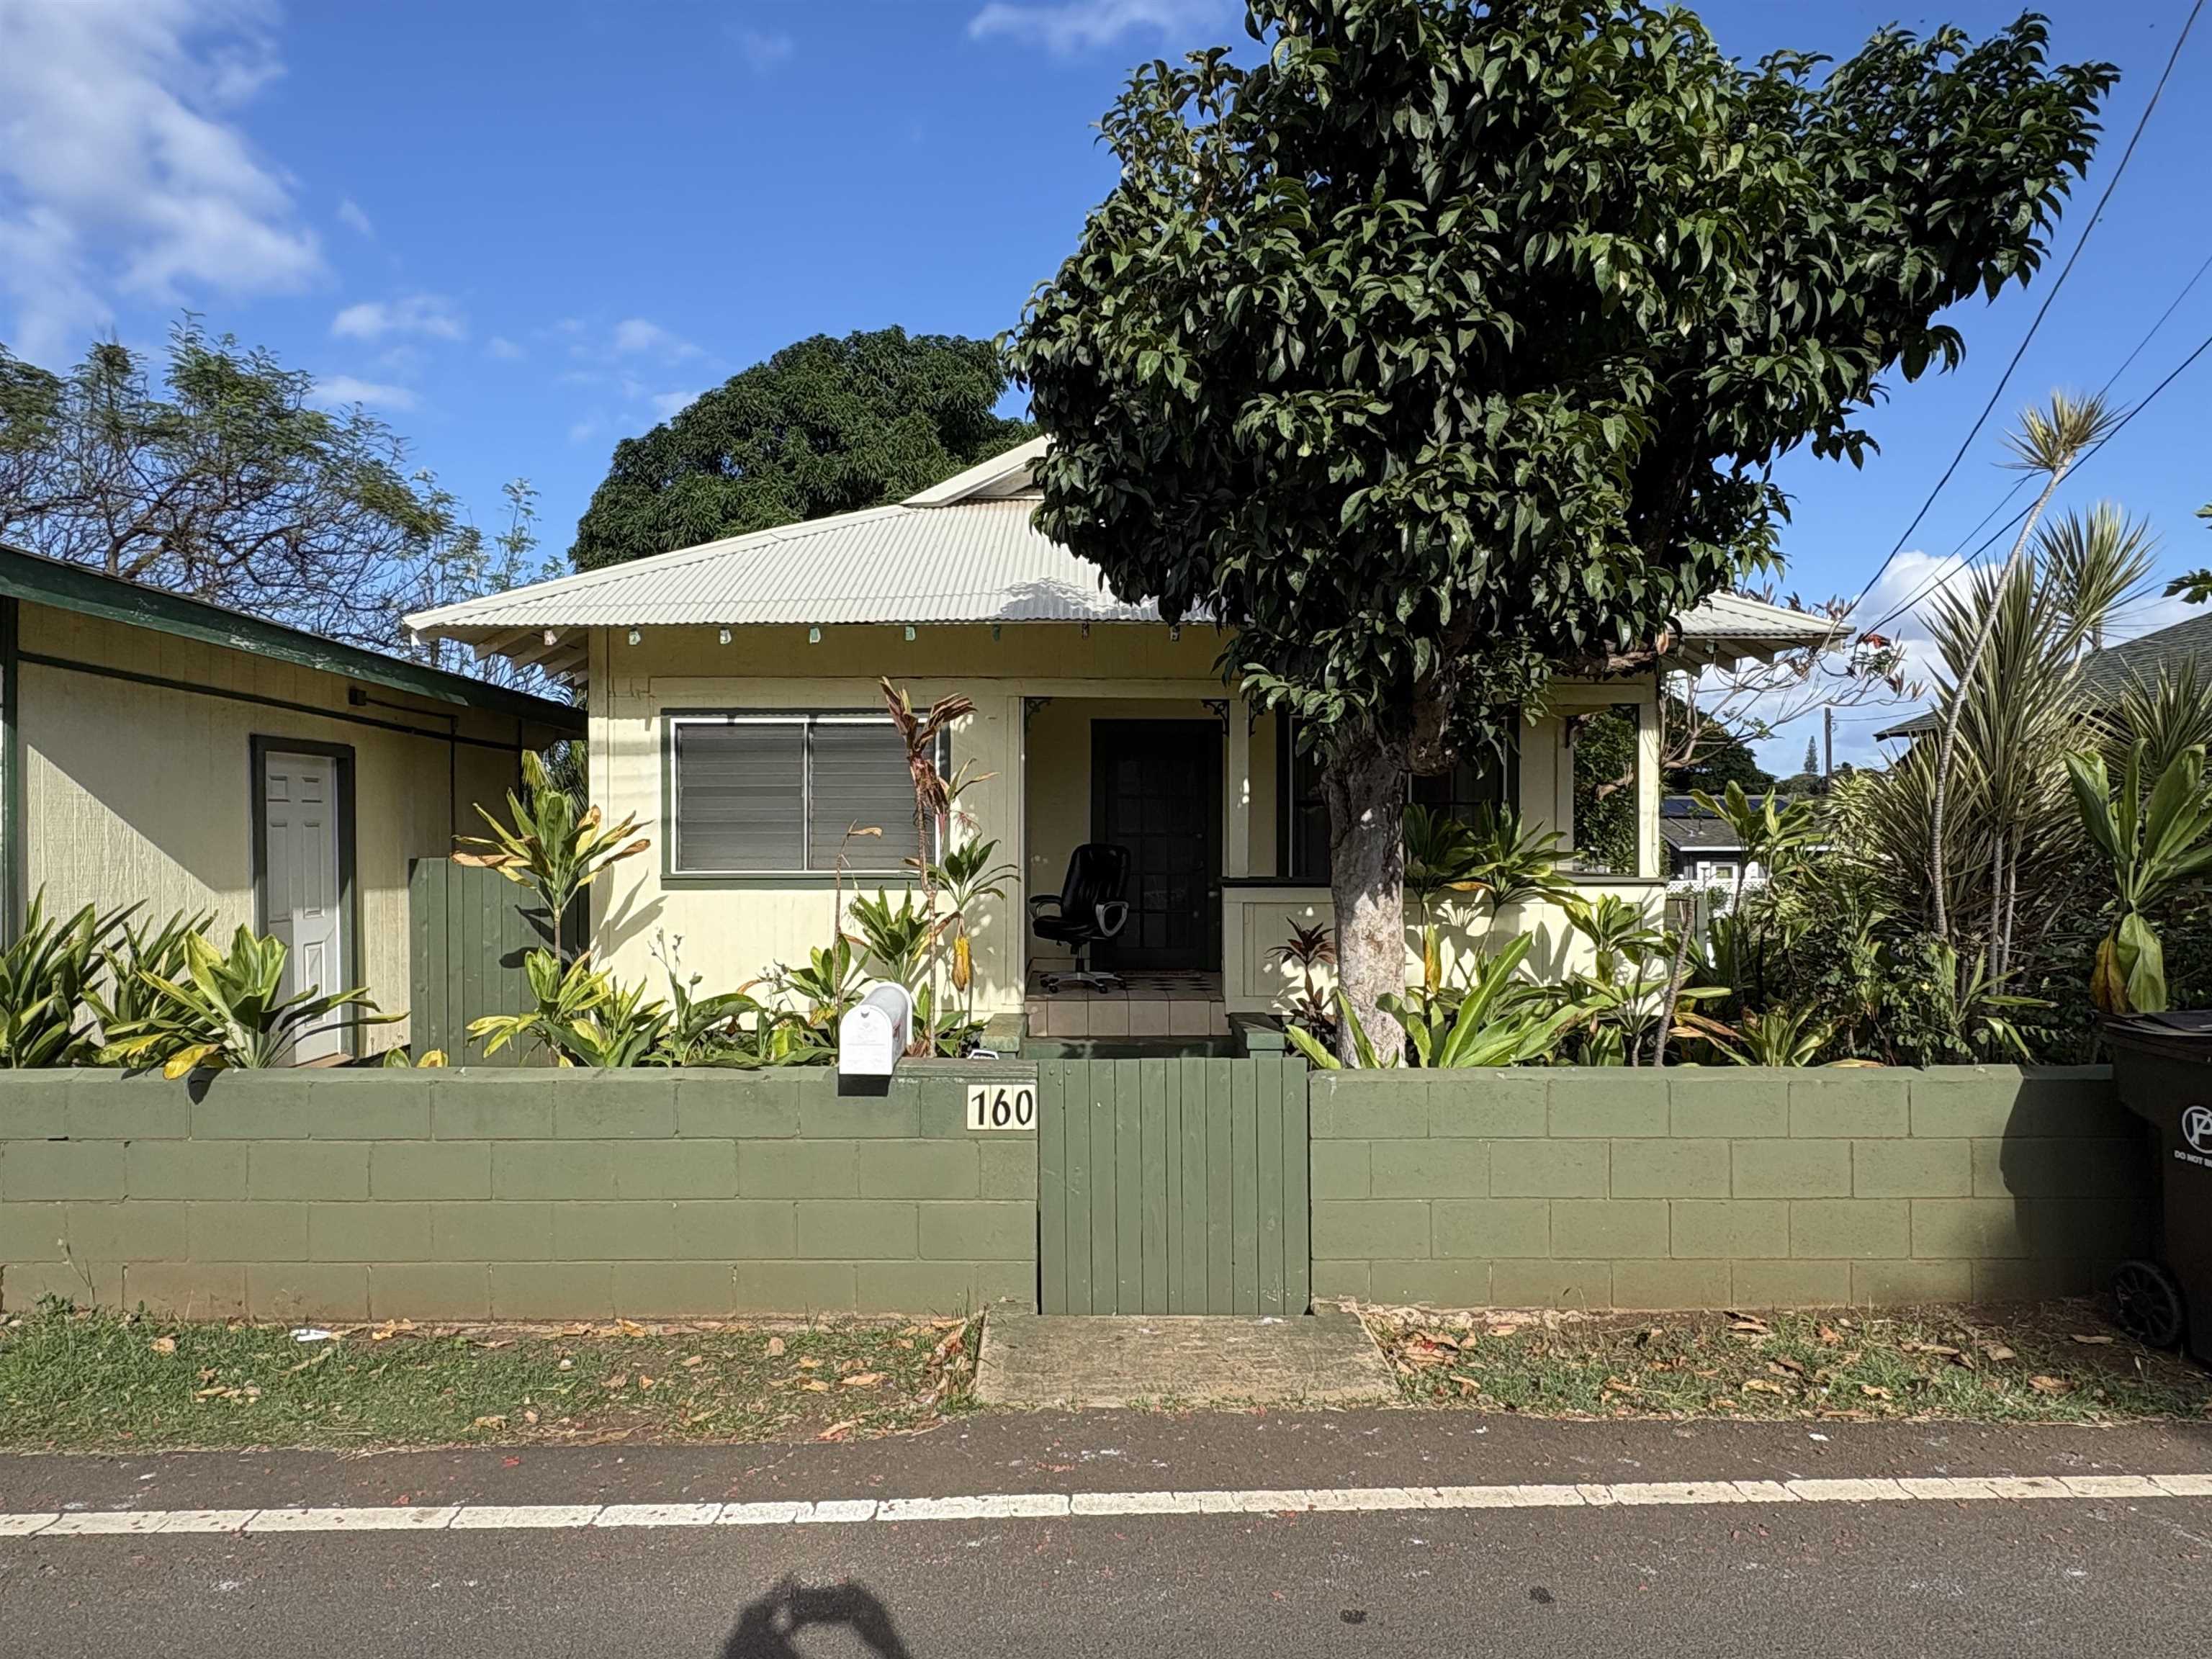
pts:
pixel 1026 1506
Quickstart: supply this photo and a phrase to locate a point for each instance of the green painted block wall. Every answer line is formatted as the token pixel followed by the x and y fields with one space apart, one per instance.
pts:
pixel 470 1194
pixel 1742 1187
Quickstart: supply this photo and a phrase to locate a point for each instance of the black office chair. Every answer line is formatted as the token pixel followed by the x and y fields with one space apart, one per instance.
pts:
pixel 1088 909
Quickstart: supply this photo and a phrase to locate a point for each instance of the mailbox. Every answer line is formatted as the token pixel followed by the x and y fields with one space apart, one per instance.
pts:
pixel 874 1031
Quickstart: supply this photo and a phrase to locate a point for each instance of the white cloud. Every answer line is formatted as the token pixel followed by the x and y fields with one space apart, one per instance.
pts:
pixel 500 347
pixel 123 169
pixel 763 51
pixel 669 404
pixel 636 337
pixel 354 219
pixel 1073 26
pixel 342 390
pixel 429 314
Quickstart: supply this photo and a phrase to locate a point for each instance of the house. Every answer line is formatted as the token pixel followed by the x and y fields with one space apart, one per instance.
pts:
pixel 161 751
pixel 2107 672
pixel 1702 848
pixel 734 705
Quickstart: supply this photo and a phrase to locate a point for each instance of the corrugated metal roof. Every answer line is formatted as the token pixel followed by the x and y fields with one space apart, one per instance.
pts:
pixel 968 554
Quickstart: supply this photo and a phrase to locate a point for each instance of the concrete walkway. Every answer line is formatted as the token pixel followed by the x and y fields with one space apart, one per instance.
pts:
pixel 1095 1360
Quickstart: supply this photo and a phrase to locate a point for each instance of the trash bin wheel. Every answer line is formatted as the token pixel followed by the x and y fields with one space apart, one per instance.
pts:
pixel 2147 1303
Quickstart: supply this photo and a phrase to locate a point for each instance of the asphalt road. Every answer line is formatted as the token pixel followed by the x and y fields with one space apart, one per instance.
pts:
pixel 2075 1577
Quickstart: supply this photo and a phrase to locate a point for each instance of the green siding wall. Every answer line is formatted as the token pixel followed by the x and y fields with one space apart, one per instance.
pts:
pixel 1586 1188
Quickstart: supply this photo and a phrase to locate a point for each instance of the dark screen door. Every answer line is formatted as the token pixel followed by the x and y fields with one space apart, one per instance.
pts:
pixel 1156 789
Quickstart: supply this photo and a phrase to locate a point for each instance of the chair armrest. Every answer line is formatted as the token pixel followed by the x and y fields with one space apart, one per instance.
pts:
pixel 1112 915
pixel 1038 905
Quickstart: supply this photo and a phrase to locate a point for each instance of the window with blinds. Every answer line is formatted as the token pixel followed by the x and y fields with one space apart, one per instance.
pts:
pixel 768 792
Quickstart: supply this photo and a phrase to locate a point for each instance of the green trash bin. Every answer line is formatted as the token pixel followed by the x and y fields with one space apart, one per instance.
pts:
pixel 2162 1066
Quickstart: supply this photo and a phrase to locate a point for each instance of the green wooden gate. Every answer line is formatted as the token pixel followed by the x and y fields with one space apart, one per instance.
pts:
pixel 1172 1186
pixel 469 929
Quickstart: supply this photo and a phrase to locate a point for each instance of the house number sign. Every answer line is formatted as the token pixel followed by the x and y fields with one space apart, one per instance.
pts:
pixel 1002 1105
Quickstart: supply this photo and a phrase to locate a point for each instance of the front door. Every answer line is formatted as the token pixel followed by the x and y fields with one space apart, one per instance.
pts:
pixel 1156 789
pixel 303 891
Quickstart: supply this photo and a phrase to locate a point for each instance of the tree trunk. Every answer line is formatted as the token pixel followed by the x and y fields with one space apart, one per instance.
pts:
pixel 1365 783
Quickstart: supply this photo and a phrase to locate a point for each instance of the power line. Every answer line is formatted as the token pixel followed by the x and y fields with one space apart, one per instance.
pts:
pixel 2050 294
pixel 2120 425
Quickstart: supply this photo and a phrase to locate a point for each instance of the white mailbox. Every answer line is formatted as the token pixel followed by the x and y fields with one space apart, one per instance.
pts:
pixel 875 1031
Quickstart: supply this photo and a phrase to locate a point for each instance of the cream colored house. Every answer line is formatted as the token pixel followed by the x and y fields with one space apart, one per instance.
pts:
pixel 734 705
pixel 182 756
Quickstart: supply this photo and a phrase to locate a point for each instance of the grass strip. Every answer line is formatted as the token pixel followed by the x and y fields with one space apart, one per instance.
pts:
pixel 2051 1363
pixel 81 1380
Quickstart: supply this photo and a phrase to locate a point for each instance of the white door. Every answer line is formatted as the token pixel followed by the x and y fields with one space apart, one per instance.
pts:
pixel 300 796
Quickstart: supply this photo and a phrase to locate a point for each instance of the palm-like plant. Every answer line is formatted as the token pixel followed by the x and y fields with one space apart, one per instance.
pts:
pixel 550 846
pixel 45 979
pixel 227 1010
pixel 2152 849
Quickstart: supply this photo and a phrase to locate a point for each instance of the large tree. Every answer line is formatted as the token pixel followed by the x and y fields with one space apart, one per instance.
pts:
pixel 1452 343
pixel 224 480
pixel 823 426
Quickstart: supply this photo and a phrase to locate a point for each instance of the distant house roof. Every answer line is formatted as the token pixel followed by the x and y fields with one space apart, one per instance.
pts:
pixel 1688 827
pixel 963 551
pixel 89 592
pixel 2107 673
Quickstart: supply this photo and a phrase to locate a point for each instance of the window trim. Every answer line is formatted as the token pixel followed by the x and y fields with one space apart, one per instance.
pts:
pixel 807 717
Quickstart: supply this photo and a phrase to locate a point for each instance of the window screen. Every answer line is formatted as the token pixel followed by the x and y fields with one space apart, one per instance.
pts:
pixel 778 793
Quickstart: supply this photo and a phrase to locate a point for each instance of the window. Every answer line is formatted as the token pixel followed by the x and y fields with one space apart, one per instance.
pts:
pixel 1470 785
pixel 1606 757
pixel 753 793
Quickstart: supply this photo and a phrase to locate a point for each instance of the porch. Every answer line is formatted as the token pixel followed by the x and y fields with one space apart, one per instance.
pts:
pixel 1144 1005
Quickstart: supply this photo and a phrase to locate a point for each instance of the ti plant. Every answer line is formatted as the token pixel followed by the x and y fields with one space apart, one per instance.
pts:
pixel 1306 949
pixel 550 846
pixel 583 1017
pixel 1496 1019
pixel 1779 1036
pixel 227 1010
pixel 967 876
pixel 46 976
pixel 138 962
pixel 2151 849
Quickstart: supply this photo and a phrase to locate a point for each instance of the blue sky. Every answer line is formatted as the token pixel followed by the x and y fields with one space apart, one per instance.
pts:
pixel 521 231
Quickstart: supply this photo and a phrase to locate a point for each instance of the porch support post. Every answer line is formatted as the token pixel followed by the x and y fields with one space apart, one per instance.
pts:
pixel 1236 793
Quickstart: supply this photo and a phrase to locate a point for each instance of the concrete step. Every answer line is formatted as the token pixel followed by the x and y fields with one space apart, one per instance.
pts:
pixel 1103 1360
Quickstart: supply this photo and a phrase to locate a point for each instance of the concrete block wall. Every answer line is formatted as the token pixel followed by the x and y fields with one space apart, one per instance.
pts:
pixel 509 1195
pixel 1736 1188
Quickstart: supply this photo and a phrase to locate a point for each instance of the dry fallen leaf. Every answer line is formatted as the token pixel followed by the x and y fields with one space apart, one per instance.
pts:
pixel 2050 1385
pixel 489 1423
pixel 1874 1391
pixel 694 1359
pixel 839 1431
pixel 775 1347
pixel 2093 1341
pixel 808 1364
pixel 163 1345
pixel 1996 1352
pixel 815 1385
pixel 864 1379
pixel 1761 1385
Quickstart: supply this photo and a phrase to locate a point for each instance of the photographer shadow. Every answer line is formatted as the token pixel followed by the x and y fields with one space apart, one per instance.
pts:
pixel 768 1627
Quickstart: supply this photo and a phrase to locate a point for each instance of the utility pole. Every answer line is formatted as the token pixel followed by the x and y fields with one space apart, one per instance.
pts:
pixel 1828 741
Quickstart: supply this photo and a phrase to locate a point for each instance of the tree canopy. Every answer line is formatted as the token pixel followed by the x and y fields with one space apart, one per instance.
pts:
pixel 1453 342
pixel 224 481
pixel 825 426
